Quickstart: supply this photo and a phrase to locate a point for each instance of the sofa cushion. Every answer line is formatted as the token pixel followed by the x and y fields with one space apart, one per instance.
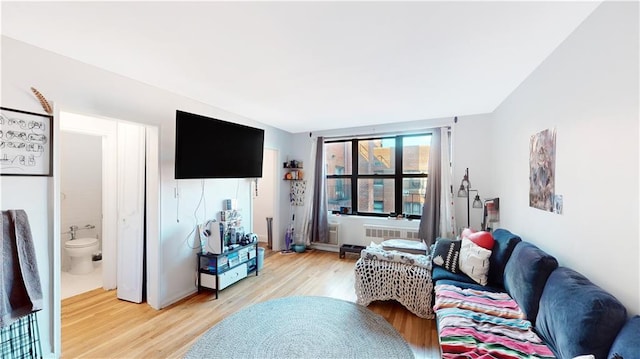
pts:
pixel 445 254
pixel 525 275
pixel 627 343
pixel 440 273
pixel 504 242
pixel 577 317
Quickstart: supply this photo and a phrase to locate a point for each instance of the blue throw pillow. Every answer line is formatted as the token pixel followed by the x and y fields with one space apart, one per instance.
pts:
pixel 504 243
pixel 627 343
pixel 577 317
pixel 525 275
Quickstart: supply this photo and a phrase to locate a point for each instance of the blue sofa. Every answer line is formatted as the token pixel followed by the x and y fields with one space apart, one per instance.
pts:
pixel 571 315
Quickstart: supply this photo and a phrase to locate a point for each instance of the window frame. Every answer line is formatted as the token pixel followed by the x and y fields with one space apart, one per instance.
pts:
pixel 397 177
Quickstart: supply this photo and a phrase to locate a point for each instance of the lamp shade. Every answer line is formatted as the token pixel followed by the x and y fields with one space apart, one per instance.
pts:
pixel 477 203
pixel 462 192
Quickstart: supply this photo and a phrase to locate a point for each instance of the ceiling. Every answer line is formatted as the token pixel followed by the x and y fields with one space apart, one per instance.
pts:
pixel 309 66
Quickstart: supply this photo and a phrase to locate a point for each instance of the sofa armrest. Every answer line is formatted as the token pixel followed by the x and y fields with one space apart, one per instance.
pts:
pixel 627 343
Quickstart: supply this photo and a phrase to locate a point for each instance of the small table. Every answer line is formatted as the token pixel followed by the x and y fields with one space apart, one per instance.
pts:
pixel 350 248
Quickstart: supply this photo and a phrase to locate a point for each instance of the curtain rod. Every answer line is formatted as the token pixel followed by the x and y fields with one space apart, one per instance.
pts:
pixel 416 132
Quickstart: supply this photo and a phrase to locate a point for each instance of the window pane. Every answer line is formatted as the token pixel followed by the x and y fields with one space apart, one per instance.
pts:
pixel 415 154
pixel 413 190
pixel 338 193
pixel 377 156
pixel 338 158
pixel 376 195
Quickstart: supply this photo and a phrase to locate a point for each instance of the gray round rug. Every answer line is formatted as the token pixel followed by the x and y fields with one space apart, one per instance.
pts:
pixel 302 327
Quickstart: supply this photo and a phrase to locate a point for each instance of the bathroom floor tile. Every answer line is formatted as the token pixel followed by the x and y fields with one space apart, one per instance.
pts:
pixel 72 284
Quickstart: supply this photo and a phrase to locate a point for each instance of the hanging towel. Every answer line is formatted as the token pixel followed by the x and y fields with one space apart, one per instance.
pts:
pixel 20 290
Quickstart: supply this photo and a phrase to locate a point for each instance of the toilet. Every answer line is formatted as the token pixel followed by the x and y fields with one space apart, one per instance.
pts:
pixel 81 252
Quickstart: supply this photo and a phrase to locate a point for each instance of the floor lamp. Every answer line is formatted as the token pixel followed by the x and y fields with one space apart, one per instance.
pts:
pixel 464 191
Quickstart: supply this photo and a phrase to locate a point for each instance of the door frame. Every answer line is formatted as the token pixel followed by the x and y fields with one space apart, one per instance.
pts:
pixel 275 180
pixel 107 129
pixel 91 124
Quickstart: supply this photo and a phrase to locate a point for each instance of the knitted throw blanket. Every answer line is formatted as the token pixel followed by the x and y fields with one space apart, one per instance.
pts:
pixel 410 285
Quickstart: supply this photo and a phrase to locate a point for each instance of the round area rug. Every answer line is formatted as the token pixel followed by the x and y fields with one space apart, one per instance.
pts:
pixel 302 327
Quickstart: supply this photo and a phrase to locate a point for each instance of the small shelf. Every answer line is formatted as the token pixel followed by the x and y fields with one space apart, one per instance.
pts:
pixel 293 170
pixel 218 271
pixel 297 184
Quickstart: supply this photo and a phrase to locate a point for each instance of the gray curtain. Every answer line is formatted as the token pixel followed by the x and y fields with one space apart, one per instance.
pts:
pixel 319 220
pixel 430 221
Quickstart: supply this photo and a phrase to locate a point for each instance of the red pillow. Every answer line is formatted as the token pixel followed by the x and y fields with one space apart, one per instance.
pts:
pixel 483 239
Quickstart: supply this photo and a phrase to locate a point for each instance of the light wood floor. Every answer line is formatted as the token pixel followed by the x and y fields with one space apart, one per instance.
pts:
pixel 98 325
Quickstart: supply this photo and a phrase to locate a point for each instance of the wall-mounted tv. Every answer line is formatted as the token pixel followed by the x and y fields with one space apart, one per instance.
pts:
pixel 210 148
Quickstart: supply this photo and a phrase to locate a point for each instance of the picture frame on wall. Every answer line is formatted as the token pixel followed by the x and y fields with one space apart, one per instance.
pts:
pixel 26 143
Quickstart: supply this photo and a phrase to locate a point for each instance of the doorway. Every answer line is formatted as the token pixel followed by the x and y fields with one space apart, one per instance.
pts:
pixel 109 130
pixel 80 209
pixel 106 130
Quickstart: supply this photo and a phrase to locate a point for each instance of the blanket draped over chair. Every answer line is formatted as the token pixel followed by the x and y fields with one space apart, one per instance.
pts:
pixel 405 278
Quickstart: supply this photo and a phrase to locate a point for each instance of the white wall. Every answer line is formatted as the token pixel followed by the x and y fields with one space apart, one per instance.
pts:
pixel 33 199
pixel 588 90
pixel 81 183
pixel 83 89
pixel 472 142
pixel 80 186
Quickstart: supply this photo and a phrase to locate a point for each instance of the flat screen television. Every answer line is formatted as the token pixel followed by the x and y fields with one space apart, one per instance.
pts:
pixel 210 148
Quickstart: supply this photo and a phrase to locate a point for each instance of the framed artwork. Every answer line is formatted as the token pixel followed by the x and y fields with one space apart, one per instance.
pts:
pixel 26 143
pixel 542 170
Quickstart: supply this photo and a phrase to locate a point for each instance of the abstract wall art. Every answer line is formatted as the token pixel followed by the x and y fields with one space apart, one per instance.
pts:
pixel 542 170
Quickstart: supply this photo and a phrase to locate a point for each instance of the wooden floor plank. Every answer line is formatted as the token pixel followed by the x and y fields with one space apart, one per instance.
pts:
pixel 98 325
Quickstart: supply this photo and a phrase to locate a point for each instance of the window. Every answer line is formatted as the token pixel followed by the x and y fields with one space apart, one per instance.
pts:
pixel 390 174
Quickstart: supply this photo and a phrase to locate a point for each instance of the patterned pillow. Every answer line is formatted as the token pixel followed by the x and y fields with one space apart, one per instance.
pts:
pixel 474 261
pixel 446 253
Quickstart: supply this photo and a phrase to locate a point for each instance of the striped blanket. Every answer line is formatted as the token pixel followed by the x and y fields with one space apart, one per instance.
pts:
pixel 479 324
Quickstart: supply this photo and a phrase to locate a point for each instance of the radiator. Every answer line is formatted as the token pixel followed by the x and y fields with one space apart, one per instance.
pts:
pixel 333 233
pixel 377 233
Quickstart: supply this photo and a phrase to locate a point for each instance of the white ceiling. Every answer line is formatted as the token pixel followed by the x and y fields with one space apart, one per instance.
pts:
pixel 309 66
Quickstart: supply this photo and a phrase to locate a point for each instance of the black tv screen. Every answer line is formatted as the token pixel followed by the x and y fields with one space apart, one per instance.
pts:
pixel 210 148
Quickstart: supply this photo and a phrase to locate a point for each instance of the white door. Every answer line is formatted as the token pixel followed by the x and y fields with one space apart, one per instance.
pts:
pixel 131 184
